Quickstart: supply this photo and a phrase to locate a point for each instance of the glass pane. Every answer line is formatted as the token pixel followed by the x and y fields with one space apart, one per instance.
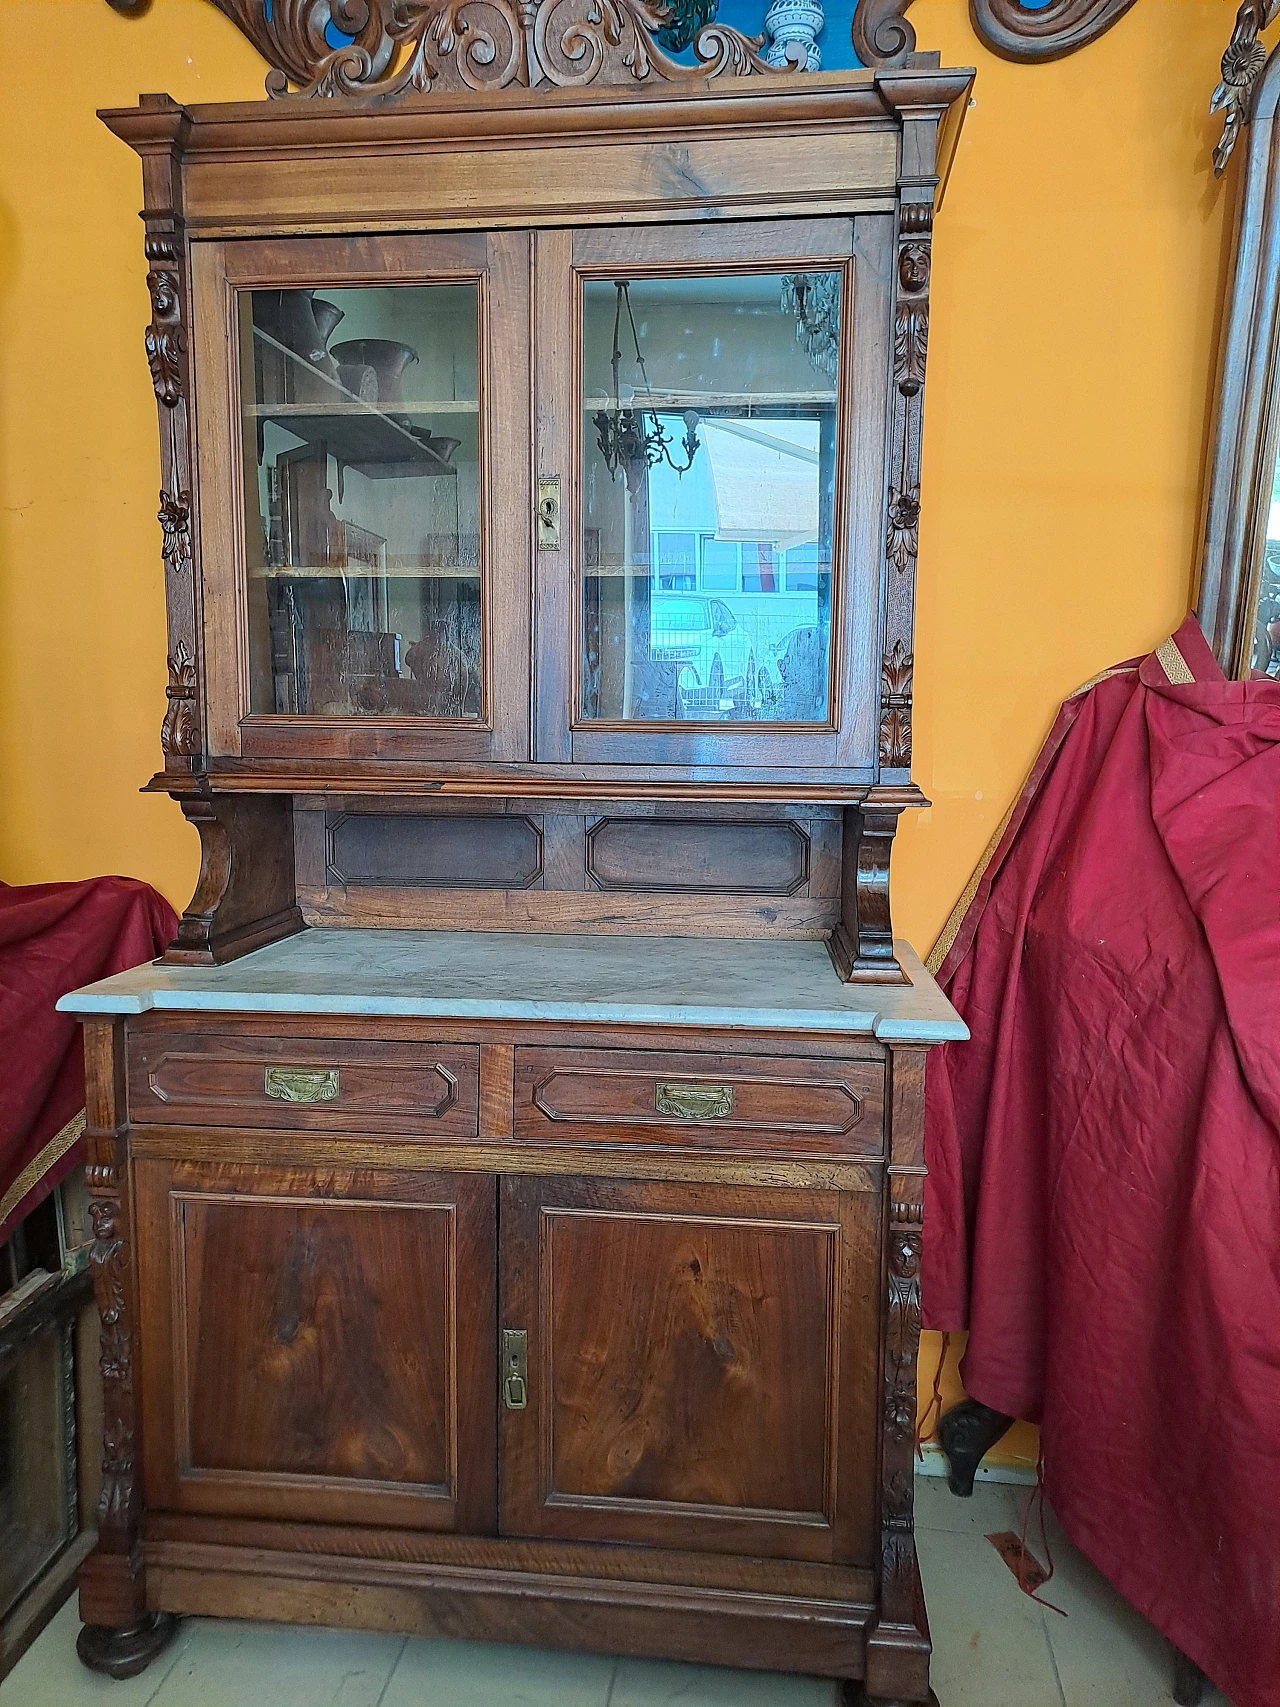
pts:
pixel 362 494
pixel 709 464
pixel 1266 635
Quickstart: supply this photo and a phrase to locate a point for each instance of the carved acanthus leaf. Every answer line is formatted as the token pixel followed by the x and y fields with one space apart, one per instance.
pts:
pixel 399 47
pixel 903 531
pixel 910 347
pixel 175 519
pixel 180 731
pixel 1242 66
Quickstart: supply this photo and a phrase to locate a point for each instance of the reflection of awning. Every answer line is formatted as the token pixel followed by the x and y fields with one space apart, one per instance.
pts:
pixel 765 476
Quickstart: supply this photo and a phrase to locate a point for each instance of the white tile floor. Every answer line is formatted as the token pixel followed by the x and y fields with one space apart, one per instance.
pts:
pixel 992 1647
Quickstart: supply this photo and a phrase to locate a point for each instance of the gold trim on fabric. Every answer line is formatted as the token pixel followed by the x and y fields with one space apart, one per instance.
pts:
pixel 1173 664
pixel 39 1165
pixel 1102 676
pixel 951 930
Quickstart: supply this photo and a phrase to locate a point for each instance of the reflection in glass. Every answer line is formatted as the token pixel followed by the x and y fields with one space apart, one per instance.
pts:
pixel 709 461
pixel 362 496
pixel 1266 636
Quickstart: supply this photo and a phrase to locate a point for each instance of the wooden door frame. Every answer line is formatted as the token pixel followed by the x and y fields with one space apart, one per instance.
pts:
pixel 498 263
pixel 860 248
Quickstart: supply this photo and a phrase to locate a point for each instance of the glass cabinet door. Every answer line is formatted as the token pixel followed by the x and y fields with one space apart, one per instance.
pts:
pixel 708 477
pixel 708 497
pixel 372 476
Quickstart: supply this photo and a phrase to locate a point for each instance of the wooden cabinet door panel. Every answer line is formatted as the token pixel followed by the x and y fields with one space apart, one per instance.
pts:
pixel 701 1366
pixel 319 1345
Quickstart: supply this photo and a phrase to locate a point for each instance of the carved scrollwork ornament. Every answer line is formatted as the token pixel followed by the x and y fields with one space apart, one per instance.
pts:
pixel 108 1262
pixel 399 47
pixel 1031 34
pixel 1242 65
pixel 903 1332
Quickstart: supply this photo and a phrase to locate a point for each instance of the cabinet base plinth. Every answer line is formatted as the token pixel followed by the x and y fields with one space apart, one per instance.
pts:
pixel 125 1653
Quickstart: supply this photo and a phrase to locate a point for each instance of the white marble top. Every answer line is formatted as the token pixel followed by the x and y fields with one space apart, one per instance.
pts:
pixel 614 980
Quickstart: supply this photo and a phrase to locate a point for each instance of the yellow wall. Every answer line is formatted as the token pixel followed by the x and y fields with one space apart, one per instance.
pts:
pixel 1079 266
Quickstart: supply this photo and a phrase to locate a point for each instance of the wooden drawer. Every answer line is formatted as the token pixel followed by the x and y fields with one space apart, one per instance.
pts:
pixel 189 1078
pixel 762 1103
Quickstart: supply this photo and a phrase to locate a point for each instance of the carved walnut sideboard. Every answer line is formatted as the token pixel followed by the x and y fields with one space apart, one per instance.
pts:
pixel 507 1188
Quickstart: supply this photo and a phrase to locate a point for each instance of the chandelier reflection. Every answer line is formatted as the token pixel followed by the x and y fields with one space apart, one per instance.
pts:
pixel 631 438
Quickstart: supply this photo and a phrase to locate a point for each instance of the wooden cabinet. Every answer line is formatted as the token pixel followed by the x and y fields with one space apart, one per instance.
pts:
pixel 508 1188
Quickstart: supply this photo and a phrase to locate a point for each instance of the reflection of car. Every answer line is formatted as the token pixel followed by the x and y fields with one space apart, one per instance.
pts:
pixel 792 679
pixel 715 660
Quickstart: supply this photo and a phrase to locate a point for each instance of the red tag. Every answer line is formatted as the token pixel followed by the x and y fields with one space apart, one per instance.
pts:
pixel 1030 1573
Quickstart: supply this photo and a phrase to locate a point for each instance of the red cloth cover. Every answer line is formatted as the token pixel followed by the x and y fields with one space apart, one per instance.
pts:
pixel 53 938
pixel 1103 1199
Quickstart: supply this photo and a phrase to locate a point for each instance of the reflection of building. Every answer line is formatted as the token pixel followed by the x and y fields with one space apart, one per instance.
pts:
pixel 743 524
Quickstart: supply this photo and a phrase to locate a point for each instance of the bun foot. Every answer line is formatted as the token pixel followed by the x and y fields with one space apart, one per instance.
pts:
pixel 1188 1680
pixel 125 1653
pixel 966 1434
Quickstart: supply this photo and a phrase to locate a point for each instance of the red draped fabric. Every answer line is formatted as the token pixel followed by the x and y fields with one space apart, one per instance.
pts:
pixel 1103 1200
pixel 53 938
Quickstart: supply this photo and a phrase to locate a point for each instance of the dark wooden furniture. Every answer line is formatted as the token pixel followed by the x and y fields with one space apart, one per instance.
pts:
pixel 568 588
pixel 1238 602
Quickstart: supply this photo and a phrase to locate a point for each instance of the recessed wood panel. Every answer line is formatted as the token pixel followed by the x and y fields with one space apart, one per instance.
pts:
pixel 695 1371
pixel 218 1079
pixel 321 1343
pixel 691 856
pixel 293 1364
pixel 471 851
pixel 640 1097
pixel 712 1339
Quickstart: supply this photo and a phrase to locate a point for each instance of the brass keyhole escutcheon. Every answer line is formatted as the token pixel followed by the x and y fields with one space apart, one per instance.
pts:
pixel 549 513
pixel 515 1368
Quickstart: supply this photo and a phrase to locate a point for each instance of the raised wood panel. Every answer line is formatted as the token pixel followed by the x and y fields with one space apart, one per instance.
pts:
pixel 217 1079
pixel 284 1381
pixel 781 1106
pixel 482 851
pixel 693 856
pixel 701 1366
pixel 799 916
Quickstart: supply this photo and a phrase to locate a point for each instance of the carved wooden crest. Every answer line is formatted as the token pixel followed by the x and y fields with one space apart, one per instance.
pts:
pixel 381 49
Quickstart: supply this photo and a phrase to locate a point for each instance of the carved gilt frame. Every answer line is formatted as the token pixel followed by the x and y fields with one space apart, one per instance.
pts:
pixel 1247 429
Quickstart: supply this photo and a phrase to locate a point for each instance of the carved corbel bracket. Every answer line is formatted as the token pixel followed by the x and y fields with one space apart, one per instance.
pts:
pixel 244 896
pixel 861 945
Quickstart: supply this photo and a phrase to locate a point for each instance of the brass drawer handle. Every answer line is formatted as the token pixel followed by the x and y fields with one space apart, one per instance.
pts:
pixel 695 1102
pixel 289 1084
